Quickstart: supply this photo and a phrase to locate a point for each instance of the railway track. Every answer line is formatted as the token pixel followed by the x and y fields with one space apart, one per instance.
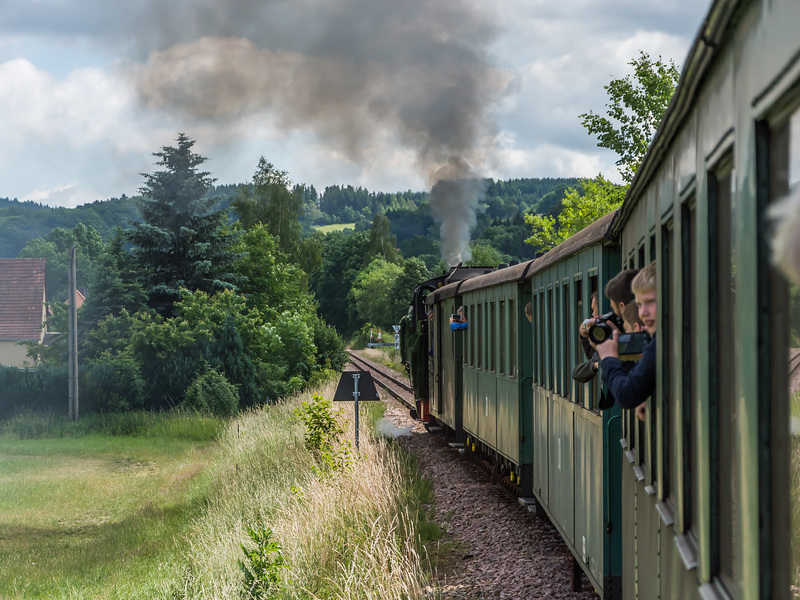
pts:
pixel 396 386
pixel 482 515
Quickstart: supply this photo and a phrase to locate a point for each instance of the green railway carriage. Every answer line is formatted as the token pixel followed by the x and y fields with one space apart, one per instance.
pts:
pixel 701 499
pixel 576 468
pixel 421 344
pixel 496 389
pixel 706 478
pixel 446 379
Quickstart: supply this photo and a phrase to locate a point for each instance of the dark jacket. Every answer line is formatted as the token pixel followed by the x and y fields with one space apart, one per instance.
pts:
pixel 584 372
pixel 633 387
pixel 588 350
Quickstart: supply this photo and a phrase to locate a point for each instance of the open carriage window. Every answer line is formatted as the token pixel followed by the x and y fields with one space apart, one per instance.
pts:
pixel 780 165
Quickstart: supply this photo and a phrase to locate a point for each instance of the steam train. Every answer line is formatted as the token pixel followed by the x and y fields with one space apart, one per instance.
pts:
pixel 699 500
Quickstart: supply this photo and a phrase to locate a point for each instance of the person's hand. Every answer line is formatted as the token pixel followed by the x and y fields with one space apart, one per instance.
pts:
pixel 585 326
pixel 610 347
pixel 640 411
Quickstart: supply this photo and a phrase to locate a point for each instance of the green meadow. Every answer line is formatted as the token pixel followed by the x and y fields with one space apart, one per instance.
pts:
pixel 93 515
pixel 165 506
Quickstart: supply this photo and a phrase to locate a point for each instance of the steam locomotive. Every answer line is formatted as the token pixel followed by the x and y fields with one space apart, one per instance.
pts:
pixel 701 499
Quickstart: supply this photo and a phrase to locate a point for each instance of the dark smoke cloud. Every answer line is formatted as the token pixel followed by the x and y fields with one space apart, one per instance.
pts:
pixel 362 74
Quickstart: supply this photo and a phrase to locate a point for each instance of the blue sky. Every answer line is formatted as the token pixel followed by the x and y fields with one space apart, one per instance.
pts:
pixel 387 95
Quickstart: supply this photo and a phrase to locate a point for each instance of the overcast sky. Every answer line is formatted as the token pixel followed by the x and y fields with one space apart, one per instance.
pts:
pixel 387 94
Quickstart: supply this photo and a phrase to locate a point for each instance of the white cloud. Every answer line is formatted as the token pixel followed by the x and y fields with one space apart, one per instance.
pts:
pixel 74 130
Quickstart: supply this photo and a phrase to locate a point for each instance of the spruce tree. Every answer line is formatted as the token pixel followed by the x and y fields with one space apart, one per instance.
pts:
pixel 181 242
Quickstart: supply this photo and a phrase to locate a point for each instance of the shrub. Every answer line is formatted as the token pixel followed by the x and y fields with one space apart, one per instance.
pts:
pixel 261 571
pixel 44 389
pixel 323 435
pixel 212 393
pixel 115 382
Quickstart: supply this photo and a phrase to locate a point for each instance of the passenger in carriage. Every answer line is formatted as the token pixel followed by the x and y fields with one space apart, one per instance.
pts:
pixel 633 387
pixel 618 291
pixel 587 347
pixel 633 324
pixel 458 320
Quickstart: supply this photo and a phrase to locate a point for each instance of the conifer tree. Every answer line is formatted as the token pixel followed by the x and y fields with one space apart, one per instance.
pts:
pixel 181 242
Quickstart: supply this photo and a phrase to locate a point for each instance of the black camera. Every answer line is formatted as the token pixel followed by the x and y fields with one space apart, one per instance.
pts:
pixel 631 345
pixel 455 318
pixel 601 330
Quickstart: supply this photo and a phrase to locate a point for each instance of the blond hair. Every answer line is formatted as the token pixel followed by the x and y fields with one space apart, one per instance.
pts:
pixel 645 280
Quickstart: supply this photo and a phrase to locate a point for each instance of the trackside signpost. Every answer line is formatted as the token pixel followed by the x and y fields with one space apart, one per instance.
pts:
pixel 355 386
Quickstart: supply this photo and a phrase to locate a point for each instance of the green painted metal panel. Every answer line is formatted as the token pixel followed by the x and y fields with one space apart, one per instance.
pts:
pixel 648 543
pixel 628 528
pixel 471 401
pixel 562 492
pixel 508 418
pixel 487 408
pixel 590 523
pixel 676 580
pixel 541 446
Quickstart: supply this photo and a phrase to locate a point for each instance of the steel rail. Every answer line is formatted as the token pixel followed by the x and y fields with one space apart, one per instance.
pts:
pixel 359 360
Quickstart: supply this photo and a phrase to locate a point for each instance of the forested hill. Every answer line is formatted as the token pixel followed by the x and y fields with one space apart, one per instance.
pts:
pixel 407 212
pixel 24 221
pixel 501 200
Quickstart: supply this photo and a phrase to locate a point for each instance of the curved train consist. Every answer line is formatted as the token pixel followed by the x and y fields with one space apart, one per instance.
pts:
pixel 695 501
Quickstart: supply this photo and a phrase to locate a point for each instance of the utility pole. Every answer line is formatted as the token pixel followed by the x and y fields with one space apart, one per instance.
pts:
pixel 73 338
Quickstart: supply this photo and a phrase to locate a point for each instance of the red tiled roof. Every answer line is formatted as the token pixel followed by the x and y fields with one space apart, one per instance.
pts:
pixel 21 298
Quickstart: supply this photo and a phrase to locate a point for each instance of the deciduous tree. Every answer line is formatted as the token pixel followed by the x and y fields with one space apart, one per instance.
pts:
pixel 636 105
pixel 601 197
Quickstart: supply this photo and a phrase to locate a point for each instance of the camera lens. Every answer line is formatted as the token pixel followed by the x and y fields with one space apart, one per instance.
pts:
pixel 599 333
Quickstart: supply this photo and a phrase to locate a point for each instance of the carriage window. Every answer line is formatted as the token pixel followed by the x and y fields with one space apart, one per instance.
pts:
pixel 784 308
pixel 722 409
pixel 669 414
pixel 479 338
pixel 503 338
pixel 550 341
pixel 566 342
pixel 577 353
pixel 469 350
pixel 540 336
pixel 641 257
pixel 535 337
pixel 512 338
pixel 688 383
pixel 491 336
pixel 594 386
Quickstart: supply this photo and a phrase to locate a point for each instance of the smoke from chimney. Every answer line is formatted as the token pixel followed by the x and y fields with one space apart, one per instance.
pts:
pixel 368 77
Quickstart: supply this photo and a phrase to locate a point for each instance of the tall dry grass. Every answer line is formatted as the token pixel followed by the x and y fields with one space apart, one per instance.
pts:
pixel 351 535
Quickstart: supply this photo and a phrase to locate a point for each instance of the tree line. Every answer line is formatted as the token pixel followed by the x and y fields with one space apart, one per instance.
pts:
pixel 230 287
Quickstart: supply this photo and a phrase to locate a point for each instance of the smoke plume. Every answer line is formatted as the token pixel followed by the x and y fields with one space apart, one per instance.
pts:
pixel 365 76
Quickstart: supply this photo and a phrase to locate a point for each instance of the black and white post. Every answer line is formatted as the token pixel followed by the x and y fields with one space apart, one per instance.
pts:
pixel 73 338
pixel 356 377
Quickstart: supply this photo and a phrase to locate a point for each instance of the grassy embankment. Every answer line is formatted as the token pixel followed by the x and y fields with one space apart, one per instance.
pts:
pixel 163 511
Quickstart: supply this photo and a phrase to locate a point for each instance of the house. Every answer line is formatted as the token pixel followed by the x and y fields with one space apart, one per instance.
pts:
pixel 22 308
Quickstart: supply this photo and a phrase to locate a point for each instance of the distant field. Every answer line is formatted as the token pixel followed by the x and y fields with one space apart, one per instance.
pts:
pixel 96 516
pixel 335 227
